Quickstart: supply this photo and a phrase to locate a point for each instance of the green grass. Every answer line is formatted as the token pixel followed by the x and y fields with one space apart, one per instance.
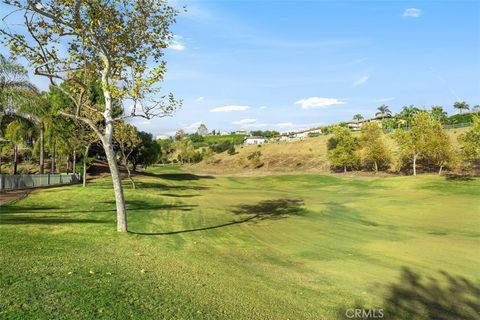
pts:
pixel 273 247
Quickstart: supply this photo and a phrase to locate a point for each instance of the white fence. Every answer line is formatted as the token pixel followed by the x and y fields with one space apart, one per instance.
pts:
pixel 25 181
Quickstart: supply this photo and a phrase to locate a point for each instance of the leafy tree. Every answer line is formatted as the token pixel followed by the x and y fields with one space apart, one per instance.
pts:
pixel 440 151
pixel 358 117
pixel 127 139
pixel 266 133
pixel 184 150
pixel 148 152
pixel 383 111
pixel 420 142
pixel 461 105
pixel 196 138
pixel 202 130
pixel 166 149
pixel 470 141
pixel 373 149
pixel 180 135
pixel 342 149
pixel 115 42
pixel 439 114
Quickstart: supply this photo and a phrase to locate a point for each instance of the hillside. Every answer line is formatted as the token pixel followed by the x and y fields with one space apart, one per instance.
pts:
pixel 309 155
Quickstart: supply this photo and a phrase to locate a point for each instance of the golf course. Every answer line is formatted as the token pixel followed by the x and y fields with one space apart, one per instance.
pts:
pixel 231 247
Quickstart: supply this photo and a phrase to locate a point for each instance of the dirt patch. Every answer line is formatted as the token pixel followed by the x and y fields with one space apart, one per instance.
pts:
pixel 12 196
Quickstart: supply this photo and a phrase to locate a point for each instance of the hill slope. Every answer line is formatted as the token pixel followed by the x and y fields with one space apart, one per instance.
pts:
pixel 309 155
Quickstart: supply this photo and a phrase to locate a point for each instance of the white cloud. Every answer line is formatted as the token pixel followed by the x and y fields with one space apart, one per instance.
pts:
pixel 412 13
pixel 176 43
pixel 263 107
pixel 230 108
pixel 385 99
pixel 192 127
pixel 360 81
pixel 200 99
pixel 244 121
pixel 317 102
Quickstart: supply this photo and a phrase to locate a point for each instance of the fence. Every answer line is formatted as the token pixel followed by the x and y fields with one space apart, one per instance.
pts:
pixel 445 126
pixel 24 181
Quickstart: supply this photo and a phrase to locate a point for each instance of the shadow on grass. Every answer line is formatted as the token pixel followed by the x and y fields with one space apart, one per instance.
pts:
pixel 9 219
pixel 132 205
pixel 458 177
pixel 152 185
pixel 415 297
pixel 175 176
pixel 263 210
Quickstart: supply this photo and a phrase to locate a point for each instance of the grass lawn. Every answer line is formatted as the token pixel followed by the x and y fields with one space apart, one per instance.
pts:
pixel 273 247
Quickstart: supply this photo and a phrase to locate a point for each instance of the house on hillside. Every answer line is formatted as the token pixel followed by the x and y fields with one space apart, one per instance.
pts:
pixel 306 133
pixel 254 140
pixel 357 125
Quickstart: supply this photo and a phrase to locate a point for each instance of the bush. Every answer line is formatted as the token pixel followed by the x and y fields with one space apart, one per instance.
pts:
pixel 255 159
pixel 231 150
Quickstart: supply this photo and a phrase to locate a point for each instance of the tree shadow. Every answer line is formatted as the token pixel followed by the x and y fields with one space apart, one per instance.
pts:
pixel 132 205
pixel 268 209
pixel 448 297
pixel 176 176
pixel 444 297
pixel 458 177
pixel 11 219
pixel 179 195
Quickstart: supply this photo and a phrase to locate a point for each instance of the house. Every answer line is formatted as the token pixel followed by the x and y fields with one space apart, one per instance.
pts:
pixel 254 140
pixel 241 131
pixel 357 125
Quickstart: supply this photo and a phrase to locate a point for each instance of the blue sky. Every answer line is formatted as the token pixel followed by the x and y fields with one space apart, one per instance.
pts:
pixel 286 65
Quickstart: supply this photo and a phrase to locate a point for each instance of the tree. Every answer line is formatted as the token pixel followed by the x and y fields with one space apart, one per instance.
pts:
pixel 342 149
pixel 180 135
pixel 439 114
pixel 358 117
pixel 419 142
pixel 202 130
pixel 16 92
pixel 373 149
pixel 127 140
pixel 17 132
pixel 383 111
pixel 113 41
pixel 461 105
pixel 406 115
pixel 148 152
pixel 470 141
pixel 184 150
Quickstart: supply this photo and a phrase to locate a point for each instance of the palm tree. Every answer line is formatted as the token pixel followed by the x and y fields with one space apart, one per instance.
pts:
pixel 461 106
pixel 358 117
pixel 383 111
pixel 16 94
pixel 17 132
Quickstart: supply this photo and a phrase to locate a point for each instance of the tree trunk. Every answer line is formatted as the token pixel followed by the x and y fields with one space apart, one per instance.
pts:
pixel 74 162
pixel 414 164
pixel 108 147
pixel 376 167
pixel 85 156
pixel 440 170
pixel 41 168
pixel 0 159
pixel 15 155
pixel 130 176
pixel 117 185
pixel 345 169
pixel 52 168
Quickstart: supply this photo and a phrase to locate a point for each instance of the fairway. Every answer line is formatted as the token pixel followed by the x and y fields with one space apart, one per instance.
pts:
pixel 271 247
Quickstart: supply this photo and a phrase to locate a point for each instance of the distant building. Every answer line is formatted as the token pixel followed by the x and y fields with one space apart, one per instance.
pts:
pixel 254 140
pixel 357 125
pixel 241 131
